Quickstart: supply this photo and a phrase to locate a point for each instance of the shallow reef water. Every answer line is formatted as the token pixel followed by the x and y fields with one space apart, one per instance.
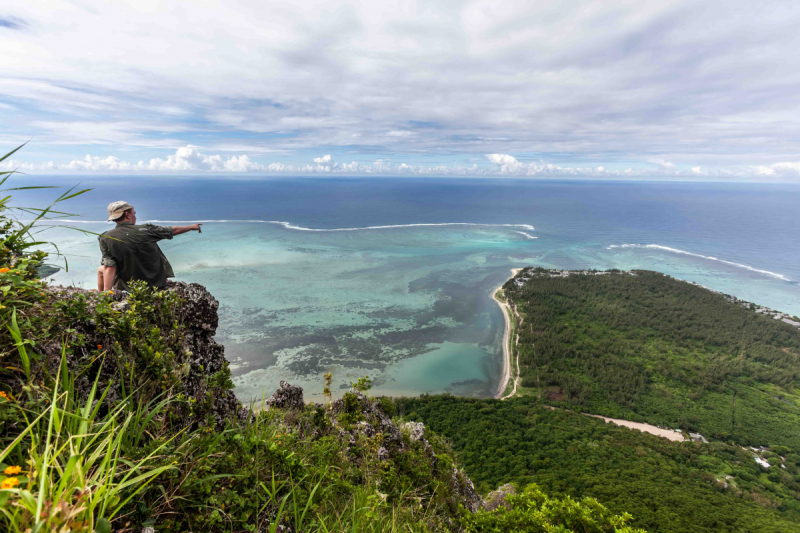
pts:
pixel 398 287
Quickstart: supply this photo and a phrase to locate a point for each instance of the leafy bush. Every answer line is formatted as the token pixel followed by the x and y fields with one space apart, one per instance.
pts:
pixel 532 511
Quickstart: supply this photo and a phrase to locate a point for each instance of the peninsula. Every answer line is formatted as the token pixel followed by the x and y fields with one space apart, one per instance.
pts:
pixel 710 383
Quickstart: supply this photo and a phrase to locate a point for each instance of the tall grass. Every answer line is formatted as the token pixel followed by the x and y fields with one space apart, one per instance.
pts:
pixel 20 236
pixel 74 472
pixel 69 467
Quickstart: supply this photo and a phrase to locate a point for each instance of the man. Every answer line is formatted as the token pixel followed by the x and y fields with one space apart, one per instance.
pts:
pixel 130 251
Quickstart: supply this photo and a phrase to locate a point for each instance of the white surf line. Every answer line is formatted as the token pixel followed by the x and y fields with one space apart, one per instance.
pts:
pixel 506 339
pixel 708 257
pixel 529 236
pixel 289 225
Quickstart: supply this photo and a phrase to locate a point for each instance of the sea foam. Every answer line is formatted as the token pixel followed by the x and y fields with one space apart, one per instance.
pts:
pixel 289 225
pixel 707 257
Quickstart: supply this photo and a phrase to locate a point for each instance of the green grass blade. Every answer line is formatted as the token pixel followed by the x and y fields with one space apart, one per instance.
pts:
pixel 9 154
pixel 13 328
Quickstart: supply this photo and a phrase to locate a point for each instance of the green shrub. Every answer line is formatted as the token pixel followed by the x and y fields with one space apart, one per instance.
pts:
pixel 532 511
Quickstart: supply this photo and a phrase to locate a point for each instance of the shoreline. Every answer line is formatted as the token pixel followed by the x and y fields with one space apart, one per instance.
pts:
pixel 672 435
pixel 506 338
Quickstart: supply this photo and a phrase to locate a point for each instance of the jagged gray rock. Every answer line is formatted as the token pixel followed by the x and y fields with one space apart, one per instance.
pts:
pixel 287 397
pixel 366 429
pixel 197 315
pixel 498 498
pixel 393 444
pixel 416 430
pixel 463 486
pixel 383 454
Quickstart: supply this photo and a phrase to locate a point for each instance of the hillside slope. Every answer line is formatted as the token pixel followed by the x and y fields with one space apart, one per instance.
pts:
pixel 668 487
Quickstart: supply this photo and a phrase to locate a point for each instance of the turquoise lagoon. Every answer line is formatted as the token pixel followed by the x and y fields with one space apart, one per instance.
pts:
pixel 398 287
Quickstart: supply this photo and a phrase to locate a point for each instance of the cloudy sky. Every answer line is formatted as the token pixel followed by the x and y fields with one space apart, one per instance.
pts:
pixel 667 89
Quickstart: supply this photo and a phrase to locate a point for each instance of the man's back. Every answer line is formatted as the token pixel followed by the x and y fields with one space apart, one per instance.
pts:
pixel 133 251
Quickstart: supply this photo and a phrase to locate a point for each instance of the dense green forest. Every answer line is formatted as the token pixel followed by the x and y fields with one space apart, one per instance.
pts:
pixel 646 347
pixel 666 486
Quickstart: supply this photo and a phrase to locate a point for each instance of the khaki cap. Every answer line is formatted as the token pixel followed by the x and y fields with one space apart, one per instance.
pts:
pixel 116 209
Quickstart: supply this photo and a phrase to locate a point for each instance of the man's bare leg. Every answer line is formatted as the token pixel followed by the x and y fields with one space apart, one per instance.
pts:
pixel 100 284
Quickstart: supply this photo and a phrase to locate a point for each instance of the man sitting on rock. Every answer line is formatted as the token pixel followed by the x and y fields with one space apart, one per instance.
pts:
pixel 130 251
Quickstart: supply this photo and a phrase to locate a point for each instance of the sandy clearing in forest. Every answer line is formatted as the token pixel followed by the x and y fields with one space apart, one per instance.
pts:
pixel 670 434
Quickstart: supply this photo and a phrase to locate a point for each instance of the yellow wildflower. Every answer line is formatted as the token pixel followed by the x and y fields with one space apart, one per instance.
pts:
pixel 99 346
pixel 9 483
pixel 4 394
pixel 4 270
pixel 12 470
pixel 110 292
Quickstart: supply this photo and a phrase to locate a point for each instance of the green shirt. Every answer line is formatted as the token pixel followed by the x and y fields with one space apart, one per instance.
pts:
pixel 132 249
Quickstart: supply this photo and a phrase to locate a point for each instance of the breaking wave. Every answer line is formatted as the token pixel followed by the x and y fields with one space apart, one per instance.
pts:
pixel 707 257
pixel 528 235
pixel 289 225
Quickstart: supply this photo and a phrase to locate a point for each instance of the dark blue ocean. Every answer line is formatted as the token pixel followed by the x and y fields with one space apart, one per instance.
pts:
pixel 409 304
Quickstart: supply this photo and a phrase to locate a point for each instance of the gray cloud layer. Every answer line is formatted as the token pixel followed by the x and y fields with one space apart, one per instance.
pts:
pixel 662 85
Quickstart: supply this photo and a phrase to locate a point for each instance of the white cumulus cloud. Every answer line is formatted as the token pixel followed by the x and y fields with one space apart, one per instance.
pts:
pixel 784 169
pixel 109 163
pixel 662 163
pixel 508 163
pixel 190 159
pixel 185 159
pixel 241 164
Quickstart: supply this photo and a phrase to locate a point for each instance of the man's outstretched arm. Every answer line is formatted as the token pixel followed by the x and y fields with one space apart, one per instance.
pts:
pixel 177 230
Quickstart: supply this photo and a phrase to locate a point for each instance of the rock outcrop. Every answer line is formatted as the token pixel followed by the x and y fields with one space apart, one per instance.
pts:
pixel 396 441
pixel 199 358
pixel 287 397
pixel 499 497
pixel 200 320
